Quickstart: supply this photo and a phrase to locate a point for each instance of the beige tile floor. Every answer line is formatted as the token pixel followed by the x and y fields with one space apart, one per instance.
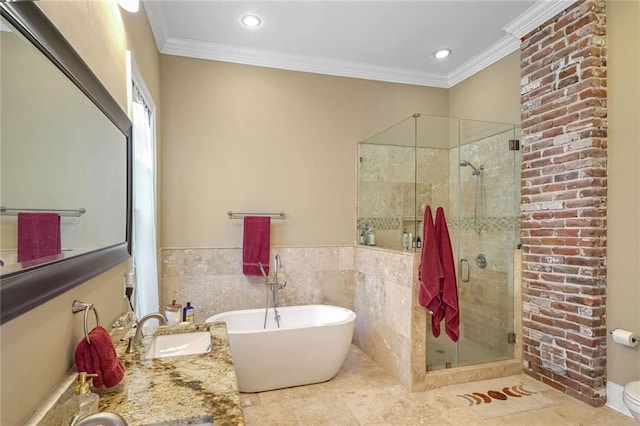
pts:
pixel 363 394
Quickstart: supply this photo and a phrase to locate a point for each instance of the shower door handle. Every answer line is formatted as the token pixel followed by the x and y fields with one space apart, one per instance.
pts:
pixel 465 278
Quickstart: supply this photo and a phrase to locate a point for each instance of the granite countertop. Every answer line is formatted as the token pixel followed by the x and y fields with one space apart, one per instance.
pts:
pixel 182 390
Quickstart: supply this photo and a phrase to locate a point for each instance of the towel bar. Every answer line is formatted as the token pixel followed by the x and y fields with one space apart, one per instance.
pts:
pixel 63 212
pixel 239 215
pixel 86 307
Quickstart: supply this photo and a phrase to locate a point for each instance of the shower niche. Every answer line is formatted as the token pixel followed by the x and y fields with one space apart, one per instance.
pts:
pixel 470 169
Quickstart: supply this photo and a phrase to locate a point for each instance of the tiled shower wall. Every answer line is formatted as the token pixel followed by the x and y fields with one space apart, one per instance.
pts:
pixel 387 193
pixel 212 280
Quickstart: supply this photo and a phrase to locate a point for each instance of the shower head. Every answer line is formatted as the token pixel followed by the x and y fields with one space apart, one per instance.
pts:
pixel 476 171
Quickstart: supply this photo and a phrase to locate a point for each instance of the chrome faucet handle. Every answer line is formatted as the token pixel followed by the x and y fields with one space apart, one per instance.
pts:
pixel 264 274
pixel 277 264
pixel 130 346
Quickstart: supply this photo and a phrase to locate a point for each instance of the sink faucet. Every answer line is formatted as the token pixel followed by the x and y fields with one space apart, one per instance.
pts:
pixel 137 338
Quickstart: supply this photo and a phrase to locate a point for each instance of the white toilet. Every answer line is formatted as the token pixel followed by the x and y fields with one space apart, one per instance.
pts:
pixel 631 398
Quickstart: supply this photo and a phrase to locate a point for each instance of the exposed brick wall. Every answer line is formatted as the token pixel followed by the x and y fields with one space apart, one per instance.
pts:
pixel 564 188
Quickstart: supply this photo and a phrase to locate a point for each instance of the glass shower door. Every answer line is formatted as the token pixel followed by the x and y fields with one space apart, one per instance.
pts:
pixel 482 218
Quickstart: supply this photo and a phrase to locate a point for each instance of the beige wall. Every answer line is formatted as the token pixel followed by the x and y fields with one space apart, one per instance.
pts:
pixel 490 95
pixel 623 208
pixel 291 146
pixel 256 139
pixel 37 347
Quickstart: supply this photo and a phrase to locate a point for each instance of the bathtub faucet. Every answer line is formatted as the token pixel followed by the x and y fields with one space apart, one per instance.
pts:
pixel 275 286
pixel 274 283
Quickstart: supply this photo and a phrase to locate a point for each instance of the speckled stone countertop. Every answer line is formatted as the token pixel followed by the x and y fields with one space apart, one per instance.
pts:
pixel 181 390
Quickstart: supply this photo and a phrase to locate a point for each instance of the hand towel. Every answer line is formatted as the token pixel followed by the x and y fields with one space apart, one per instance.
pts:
pixel 38 235
pixel 99 357
pixel 430 273
pixel 256 240
pixel 449 285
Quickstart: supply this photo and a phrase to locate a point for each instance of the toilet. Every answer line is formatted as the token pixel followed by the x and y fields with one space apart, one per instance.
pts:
pixel 631 398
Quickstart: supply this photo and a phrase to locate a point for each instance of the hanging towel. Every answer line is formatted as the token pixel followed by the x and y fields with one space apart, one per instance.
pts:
pixel 449 286
pixel 99 357
pixel 38 235
pixel 430 273
pixel 256 241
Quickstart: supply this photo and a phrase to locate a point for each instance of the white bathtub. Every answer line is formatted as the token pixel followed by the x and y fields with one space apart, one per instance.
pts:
pixel 309 347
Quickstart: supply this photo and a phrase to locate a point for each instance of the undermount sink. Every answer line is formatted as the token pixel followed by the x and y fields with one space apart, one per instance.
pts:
pixel 168 345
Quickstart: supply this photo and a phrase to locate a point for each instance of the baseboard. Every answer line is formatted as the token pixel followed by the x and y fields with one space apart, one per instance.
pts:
pixel 614 398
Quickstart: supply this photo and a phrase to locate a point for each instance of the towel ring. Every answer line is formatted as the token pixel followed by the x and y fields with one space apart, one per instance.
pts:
pixel 86 307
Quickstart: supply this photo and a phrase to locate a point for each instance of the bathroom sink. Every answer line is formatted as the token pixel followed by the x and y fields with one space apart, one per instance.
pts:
pixel 179 344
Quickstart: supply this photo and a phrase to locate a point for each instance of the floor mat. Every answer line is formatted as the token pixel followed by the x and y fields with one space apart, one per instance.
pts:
pixel 500 397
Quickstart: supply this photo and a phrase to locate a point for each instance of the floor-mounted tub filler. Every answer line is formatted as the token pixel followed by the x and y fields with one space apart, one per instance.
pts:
pixel 309 347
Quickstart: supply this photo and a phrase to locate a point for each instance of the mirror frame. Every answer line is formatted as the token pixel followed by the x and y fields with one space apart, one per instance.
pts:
pixel 24 290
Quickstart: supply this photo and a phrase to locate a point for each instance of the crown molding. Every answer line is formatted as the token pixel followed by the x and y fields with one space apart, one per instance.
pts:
pixel 270 59
pixel 157 23
pixel 530 19
pixel 536 15
pixel 508 44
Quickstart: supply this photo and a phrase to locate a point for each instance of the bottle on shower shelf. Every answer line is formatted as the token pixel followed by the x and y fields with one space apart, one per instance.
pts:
pixel 405 240
pixel 418 242
pixel 365 232
pixel 372 236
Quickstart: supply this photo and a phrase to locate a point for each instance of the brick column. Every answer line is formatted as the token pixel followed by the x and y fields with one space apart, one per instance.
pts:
pixel 564 189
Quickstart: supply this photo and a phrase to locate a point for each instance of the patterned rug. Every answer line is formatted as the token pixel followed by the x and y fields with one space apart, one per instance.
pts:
pixel 500 397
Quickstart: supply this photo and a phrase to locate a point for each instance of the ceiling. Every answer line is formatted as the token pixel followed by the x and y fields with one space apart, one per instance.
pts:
pixel 389 41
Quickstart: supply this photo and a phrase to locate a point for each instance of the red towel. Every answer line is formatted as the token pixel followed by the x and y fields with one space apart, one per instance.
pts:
pixel 99 357
pixel 38 235
pixel 430 273
pixel 256 240
pixel 449 286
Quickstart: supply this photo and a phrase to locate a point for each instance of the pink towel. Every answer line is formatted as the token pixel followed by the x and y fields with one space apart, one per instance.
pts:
pixel 449 286
pixel 255 244
pixel 38 235
pixel 99 357
pixel 430 273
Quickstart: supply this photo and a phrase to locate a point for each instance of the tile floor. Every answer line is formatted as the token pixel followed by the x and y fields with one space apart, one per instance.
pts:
pixel 363 394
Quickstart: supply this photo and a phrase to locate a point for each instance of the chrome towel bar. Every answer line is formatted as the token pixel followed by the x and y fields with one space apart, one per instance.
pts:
pixel 63 212
pixel 240 215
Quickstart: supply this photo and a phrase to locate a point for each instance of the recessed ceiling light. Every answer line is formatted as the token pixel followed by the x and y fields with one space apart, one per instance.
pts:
pixel 441 53
pixel 251 21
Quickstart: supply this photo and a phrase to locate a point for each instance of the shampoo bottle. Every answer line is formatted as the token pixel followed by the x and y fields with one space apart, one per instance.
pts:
pixel 187 313
pixel 83 403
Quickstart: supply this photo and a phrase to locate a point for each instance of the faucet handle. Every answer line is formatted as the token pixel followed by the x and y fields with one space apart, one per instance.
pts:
pixel 130 346
pixel 264 274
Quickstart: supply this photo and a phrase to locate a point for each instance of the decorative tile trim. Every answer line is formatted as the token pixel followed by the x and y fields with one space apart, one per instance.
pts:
pixel 381 223
pixel 498 223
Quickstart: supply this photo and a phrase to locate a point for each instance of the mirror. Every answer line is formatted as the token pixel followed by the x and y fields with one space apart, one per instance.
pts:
pixel 65 152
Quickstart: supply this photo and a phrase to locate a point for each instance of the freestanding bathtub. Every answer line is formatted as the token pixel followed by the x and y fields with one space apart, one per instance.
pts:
pixel 309 347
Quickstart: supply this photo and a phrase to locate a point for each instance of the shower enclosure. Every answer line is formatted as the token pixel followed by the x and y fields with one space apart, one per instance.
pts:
pixel 472 170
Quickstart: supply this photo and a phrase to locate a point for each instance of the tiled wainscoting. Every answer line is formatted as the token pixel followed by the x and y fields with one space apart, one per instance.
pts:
pixel 212 280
